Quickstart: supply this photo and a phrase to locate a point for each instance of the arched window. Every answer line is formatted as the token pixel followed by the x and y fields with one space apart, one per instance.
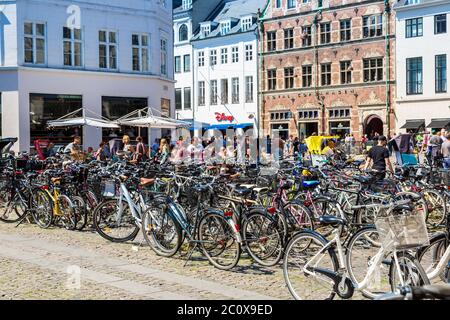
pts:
pixel 183 33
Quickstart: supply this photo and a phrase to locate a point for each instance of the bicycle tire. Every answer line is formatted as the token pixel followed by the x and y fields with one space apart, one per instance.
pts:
pixel 435 216
pixel 100 216
pixel 80 212
pixel 67 212
pixel 42 208
pixel 215 226
pixel 257 229
pixel 419 277
pixel 311 237
pixel 156 232
pixel 8 206
pixel 438 245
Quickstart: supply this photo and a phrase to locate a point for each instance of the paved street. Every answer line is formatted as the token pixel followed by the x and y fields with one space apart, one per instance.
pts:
pixel 43 264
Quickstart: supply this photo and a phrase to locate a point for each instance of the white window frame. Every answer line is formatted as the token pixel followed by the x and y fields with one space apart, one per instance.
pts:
pixel 108 45
pixel 224 55
pixel 213 94
pixel 72 42
pixel 249 89
pixel 140 48
pixel 35 37
pixel 213 57
pixel 235 90
pixel 249 52
pixel 225 27
pixel 205 30
pixel 246 23
pixel 201 59
pixel 234 54
pixel 164 58
pixel 201 93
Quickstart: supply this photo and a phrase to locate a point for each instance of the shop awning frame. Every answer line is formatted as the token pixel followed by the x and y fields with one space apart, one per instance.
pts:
pixel 439 123
pixel 414 124
pixel 72 120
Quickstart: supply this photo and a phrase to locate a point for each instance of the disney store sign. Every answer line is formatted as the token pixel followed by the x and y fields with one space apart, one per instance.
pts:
pixel 222 117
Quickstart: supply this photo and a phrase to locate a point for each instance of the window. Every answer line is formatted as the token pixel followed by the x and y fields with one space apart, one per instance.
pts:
pixel 373 69
pixel 346 72
pixel 440 24
pixel 308 114
pixel 306 76
pixel 201 93
pixel 235 54
pixel 291 4
pixel 224 90
pixel 73 47
pixel 346 29
pixel 163 56
pixel 249 89
pixel 224 55
pixel 140 53
pixel 306 36
pixel 288 38
pixel 414 27
pixel 201 59
pixel 107 49
pixel 187 4
pixel 414 75
pixel 246 23
pixel 178 102
pixel 339 113
pixel 183 33
pixel 372 26
pixel 177 64
pixel 205 30
pixel 34 46
pixel 286 115
pixel 213 92
pixel 288 78
pixel 187 98
pixel 213 57
pixel 272 79
pixel 187 63
pixel 224 28
pixel 441 73
pixel 271 41
pixel 248 52
pixel 325 74
pixel 235 90
pixel 278 3
pixel 325 32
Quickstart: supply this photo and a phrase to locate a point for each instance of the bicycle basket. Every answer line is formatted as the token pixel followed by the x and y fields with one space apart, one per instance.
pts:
pixel 109 188
pixel 402 231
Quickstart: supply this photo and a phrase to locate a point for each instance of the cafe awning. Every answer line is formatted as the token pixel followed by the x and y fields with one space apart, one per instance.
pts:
pixel 74 120
pixel 145 118
pixel 414 124
pixel 439 123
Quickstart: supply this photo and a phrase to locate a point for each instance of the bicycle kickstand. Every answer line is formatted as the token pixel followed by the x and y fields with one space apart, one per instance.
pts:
pixel 190 253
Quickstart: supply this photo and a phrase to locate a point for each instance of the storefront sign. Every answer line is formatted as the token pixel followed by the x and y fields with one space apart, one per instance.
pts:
pixel 222 117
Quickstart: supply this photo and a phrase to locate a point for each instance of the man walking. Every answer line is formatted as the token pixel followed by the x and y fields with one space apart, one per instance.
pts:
pixel 445 150
pixel 378 159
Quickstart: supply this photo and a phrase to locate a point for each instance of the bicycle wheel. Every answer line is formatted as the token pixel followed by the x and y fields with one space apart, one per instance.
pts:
pixel 218 241
pixel 430 256
pixel 161 232
pixel 42 208
pixel 436 205
pixel 308 283
pixel 362 246
pixel 263 238
pixel 67 216
pixel 80 212
pixel 11 210
pixel 113 226
pixel 299 216
pixel 410 270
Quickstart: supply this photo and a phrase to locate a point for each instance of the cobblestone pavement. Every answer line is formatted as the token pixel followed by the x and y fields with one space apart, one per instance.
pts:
pixel 61 264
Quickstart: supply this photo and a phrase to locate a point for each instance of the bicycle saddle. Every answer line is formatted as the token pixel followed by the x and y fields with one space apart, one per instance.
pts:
pixel 147 182
pixel 310 184
pixel 332 221
pixel 242 191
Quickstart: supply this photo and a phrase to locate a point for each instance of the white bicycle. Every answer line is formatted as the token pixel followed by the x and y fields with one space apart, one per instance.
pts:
pixel 317 269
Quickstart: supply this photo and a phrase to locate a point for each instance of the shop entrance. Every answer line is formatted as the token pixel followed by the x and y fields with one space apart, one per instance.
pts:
pixel 373 125
pixel 282 129
pixel 307 129
pixel 339 128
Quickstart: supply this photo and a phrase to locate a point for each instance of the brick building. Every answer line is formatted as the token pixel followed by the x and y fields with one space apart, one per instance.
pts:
pixel 327 67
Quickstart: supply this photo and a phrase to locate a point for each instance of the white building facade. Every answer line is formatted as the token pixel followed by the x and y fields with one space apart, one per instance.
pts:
pixel 110 57
pixel 226 67
pixel 422 60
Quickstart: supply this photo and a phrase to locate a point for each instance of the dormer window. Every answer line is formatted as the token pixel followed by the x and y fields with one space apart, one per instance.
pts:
pixel 225 27
pixel 205 30
pixel 187 4
pixel 246 23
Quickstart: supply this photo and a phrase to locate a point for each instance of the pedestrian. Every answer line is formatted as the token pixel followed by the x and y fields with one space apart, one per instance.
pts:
pixel 434 147
pixel 378 159
pixel 126 145
pixel 74 148
pixel 445 149
pixel 164 151
pixel 51 152
pixel 100 154
pixel 140 154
